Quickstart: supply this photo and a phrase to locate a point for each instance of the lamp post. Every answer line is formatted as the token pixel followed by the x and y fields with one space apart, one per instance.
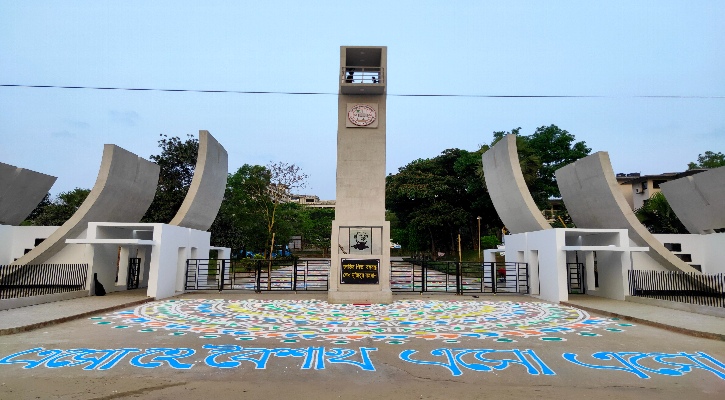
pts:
pixel 479 237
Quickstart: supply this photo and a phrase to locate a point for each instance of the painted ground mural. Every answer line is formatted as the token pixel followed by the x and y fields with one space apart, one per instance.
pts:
pixel 300 326
pixel 292 321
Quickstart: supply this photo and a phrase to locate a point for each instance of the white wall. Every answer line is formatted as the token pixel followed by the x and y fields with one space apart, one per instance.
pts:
pixel 544 252
pixel 15 239
pixel 706 250
pixel 164 256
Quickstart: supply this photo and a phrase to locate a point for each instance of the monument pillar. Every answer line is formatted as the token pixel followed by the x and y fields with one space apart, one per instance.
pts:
pixel 360 245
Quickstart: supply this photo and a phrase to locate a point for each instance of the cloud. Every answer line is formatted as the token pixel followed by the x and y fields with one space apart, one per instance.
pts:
pixel 127 118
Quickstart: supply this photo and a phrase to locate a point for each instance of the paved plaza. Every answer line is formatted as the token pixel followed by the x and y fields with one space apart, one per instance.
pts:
pixel 246 345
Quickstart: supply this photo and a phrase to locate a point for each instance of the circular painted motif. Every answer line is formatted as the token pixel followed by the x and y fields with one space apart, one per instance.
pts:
pixel 362 115
pixel 393 323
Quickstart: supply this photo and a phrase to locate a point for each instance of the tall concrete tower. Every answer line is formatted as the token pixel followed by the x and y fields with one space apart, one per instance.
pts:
pixel 360 270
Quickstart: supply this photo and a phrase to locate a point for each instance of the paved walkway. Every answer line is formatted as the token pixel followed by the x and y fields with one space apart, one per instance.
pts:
pixel 34 317
pixel 693 324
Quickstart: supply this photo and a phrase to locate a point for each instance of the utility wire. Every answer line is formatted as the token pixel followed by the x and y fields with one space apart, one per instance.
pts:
pixel 335 94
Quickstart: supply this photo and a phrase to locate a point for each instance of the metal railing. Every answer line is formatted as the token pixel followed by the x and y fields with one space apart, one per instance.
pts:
pixel 683 287
pixel 313 275
pixel 134 273
pixel 459 277
pixel 364 75
pixel 39 279
pixel 257 275
pixel 575 278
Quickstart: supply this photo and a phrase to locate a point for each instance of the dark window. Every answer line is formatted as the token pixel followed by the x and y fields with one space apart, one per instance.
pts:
pixel 685 257
pixel 677 247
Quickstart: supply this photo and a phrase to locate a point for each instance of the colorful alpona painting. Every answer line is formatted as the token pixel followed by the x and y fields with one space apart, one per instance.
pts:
pixel 292 321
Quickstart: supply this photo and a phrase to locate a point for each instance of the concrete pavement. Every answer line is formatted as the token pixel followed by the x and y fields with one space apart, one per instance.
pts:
pixel 37 316
pixel 699 325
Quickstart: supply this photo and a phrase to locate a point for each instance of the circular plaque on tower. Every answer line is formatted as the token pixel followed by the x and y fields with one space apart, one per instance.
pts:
pixel 362 115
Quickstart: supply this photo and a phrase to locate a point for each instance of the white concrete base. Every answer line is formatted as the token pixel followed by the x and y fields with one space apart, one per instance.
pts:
pixel 675 305
pixel 362 297
pixel 8 304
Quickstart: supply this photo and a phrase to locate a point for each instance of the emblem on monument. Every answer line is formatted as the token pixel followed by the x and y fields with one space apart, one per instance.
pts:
pixel 362 115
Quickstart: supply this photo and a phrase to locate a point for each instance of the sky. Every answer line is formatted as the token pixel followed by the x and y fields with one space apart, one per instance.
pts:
pixel 654 67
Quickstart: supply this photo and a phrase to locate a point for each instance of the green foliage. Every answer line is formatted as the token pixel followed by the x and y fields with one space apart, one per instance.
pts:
pixel 708 160
pixel 316 227
pixel 258 212
pixel 224 231
pixel 657 215
pixel 489 242
pixel 541 154
pixel 177 162
pixel 436 199
pixel 55 212
pixel 245 203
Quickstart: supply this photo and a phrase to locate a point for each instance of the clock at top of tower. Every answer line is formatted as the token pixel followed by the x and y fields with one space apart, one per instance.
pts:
pixel 362 70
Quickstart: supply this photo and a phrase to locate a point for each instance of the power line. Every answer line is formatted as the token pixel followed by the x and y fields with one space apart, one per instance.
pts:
pixel 392 95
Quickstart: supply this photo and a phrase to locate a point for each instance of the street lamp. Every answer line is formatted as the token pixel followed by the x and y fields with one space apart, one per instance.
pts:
pixel 479 237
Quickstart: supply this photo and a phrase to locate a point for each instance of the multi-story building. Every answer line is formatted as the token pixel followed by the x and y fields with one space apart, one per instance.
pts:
pixel 637 188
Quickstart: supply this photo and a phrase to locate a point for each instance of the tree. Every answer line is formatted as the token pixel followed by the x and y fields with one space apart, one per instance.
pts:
pixel 316 227
pixel 657 216
pixel 555 148
pixel 529 160
pixel 55 212
pixel 245 198
pixel 436 199
pixel 283 178
pixel 540 155
pixel 225 232
pixel 37 211
pixel 177 162
pixel 257 199
pixel 708 160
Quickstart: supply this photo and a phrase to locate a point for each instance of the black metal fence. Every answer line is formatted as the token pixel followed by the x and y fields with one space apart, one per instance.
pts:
pixel 312 275
pixel 134 273
pixel 257 275
pixel 684 287
pixel 575 278
pixel 39 279
pixel 459 277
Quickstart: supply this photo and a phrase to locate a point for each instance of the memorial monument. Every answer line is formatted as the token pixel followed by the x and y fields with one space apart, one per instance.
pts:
pixel 360 269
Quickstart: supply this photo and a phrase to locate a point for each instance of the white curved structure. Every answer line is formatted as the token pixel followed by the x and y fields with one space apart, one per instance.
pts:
pixel 508 190
pixel 124 189
pixel 592 197
pixel 206 191
pixel 20 192
pixel 698 200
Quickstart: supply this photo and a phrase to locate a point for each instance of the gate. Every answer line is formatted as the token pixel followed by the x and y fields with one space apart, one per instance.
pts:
pixel 459 277
pixel 575 278
pixel 206 274
pixel 313 275
pixel 134 272
pixel 257 275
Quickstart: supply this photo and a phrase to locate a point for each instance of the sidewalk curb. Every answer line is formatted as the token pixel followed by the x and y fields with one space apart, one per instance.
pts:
pixel 685 331
pixel 31 327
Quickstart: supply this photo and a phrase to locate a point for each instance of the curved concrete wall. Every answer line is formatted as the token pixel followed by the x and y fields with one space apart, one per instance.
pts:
pixel 206 191
pixel 20 192
pixel 124 189
pixel 508 191
pixel 698 200
pixel 593 199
